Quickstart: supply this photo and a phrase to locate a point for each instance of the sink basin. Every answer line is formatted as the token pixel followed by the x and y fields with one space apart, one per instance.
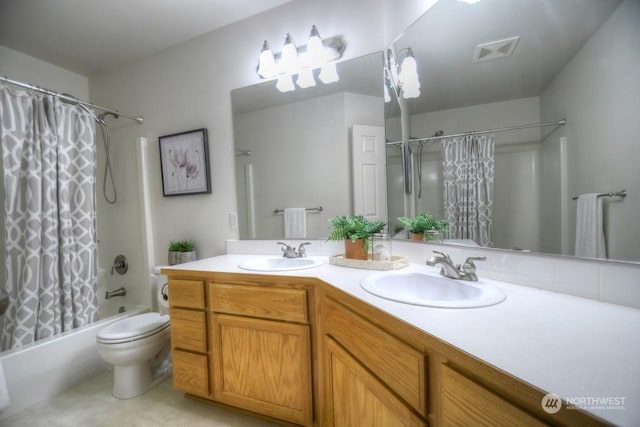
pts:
pixel 278 263
pixel 431 291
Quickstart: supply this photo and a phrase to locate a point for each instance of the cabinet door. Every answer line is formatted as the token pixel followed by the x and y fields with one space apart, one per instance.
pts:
pixel 190 372
pixel 357 398
pixel 263 366
pixel 465 402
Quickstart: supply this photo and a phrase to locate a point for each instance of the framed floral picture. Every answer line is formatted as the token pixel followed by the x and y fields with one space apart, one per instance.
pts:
pixel 184 162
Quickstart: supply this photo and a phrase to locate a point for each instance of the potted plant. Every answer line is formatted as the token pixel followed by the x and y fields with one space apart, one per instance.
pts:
pixel 181 251
pixel 424 225
pixel 356 231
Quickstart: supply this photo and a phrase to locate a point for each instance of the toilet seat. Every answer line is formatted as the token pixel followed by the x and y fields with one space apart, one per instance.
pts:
pixel 133 328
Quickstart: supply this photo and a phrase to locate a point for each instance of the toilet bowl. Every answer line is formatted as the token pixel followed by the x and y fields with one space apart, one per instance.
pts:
pixel 138 347
pixel 134 346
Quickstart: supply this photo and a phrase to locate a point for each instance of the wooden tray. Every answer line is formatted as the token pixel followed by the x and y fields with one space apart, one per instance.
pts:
pixel 395 263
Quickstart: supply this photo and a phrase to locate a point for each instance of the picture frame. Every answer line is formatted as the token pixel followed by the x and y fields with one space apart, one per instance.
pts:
pixel 184 163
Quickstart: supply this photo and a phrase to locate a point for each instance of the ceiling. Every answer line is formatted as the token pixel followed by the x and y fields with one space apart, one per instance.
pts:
pixel 93 36
pixel 445 39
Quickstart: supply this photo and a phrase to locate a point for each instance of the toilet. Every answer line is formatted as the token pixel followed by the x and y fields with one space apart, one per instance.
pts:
pixel 138 346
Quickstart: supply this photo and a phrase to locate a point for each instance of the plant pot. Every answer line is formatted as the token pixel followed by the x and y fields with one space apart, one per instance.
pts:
pixel 174 257
pixel 433 236
pixel 187 256
pixel 416 236
pixel 354 250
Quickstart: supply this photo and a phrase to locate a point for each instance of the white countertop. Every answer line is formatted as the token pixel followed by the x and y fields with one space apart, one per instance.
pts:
pixel 570 346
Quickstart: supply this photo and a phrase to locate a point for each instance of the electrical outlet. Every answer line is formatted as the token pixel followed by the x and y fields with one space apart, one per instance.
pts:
pixel 233 220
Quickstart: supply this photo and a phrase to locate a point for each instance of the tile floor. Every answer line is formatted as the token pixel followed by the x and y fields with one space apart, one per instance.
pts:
pixel 91 404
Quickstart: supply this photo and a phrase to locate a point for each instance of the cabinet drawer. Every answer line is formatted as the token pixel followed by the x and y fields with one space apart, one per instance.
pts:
pixel 188 330
pixel 186 293
pixel 190 372
pixel 257 301
pixel 465 402
pixel 400 366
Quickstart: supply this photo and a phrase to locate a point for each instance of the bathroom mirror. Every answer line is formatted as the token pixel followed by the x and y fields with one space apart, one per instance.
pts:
pixel 501 63
pixel 293 149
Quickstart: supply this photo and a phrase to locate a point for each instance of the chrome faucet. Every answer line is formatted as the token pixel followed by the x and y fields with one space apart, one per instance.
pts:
pixel 291 252
pixel 455 271
pixel 120 292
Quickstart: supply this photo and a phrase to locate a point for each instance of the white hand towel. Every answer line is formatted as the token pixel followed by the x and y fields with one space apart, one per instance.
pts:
pixel 589 227
pixel 4 391
pixel 295 223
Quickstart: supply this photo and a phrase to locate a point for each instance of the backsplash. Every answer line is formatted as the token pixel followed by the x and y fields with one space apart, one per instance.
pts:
pixel 611 282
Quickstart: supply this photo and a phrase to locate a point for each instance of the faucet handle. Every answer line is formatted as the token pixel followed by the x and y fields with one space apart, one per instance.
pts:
pixel 469 266
pixel 444 255
pixel 301 250
pixel 285 246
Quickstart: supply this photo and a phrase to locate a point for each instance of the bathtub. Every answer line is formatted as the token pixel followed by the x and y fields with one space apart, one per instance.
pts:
pixel 45 368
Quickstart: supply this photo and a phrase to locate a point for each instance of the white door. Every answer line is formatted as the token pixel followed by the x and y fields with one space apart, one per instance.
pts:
pixel 369 172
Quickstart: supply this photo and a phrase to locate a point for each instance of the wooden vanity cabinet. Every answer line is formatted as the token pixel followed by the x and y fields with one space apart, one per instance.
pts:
pixel 261 350
pixel 370 376
pixel 244 342
pixel 249 341
pixel 465 402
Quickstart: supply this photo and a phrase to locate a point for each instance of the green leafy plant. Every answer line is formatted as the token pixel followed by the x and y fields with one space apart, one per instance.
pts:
pixel 181 246
pixel 423 222
pixel 354 228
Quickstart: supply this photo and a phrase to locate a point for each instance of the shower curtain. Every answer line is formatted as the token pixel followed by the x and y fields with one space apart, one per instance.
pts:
pixel 49 164
pixel 468 187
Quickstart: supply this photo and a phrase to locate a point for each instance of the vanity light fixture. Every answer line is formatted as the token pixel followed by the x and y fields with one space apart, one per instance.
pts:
pixel 285 83
pixel 403 78
pixel 302 60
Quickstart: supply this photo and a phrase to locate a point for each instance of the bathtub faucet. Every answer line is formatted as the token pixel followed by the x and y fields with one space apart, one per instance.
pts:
pixel 117 293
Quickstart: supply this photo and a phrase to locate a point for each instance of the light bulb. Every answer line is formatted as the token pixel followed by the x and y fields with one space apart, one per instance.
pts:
pixel 411 90
pixel 285 83
pixel 329 73
pixel 267 64
pixel 305 78
pixel 409 69
pixel 316 54
pixel 289 56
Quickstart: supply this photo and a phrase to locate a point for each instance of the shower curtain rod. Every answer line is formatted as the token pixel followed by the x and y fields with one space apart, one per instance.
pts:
pixel 476 132
pixel 69 98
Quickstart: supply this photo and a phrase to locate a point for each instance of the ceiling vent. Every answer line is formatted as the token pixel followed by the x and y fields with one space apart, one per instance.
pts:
pixel 496 49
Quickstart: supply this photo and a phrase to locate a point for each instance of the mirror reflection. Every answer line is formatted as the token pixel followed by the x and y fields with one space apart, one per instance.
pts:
pixel 293 149
pixel 545 61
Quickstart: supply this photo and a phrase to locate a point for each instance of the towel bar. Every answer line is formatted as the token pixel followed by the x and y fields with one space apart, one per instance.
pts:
pixel 319 209
pixel 622 193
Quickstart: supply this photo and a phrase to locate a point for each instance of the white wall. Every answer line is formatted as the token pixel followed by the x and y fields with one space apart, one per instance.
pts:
pixel 290 163
pixel 586 91
pixel 18 66
pixel 188 87
pixel 304 164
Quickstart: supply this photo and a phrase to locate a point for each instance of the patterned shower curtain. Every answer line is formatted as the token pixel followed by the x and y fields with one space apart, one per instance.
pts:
pixel 49 164
pixel 468 187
